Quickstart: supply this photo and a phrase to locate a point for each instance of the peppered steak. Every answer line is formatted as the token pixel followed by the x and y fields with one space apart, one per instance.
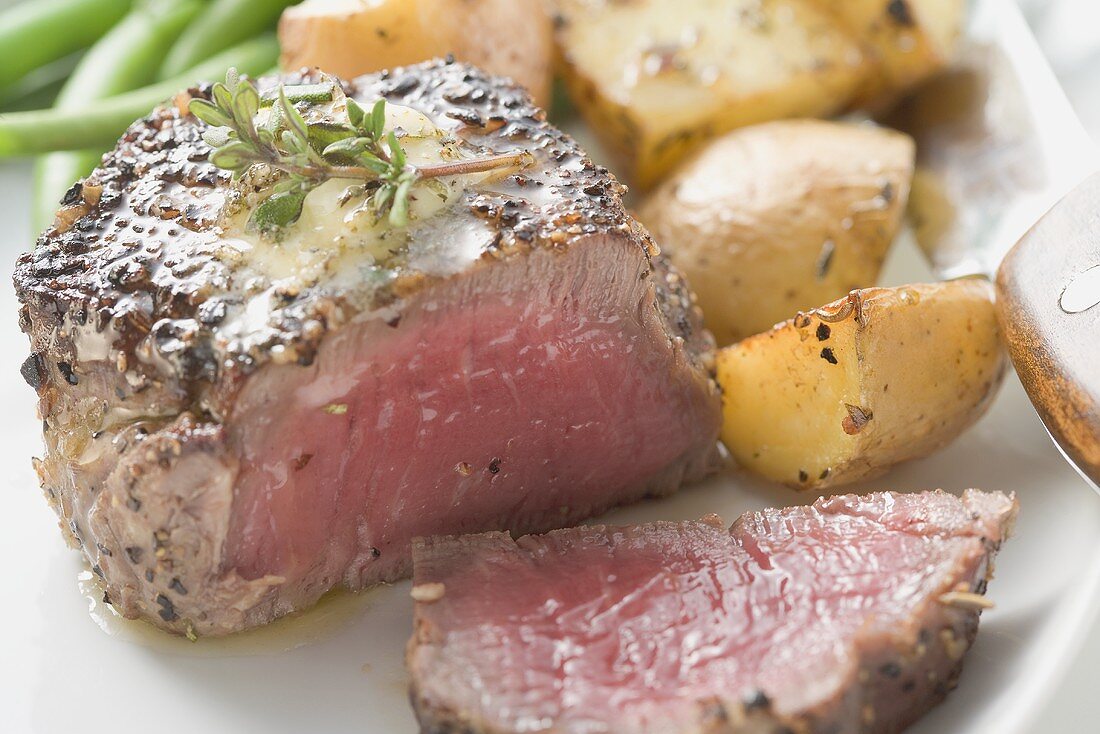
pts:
pixel 852 615
pixel 234 426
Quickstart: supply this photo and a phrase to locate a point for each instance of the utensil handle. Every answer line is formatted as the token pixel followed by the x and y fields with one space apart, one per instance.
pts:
pixel 1048 293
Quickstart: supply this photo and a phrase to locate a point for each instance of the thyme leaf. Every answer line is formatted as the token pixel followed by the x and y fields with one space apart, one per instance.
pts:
pixel 308 154
pixel 280 209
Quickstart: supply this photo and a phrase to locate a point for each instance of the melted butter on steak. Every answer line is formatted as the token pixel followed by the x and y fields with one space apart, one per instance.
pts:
pixel 159 275
pixel 340 242
pixel 234 425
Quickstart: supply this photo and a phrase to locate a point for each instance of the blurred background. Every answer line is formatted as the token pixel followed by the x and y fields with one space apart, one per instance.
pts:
pixel 1069 32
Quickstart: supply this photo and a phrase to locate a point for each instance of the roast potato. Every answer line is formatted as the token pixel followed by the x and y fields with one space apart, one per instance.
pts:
pixel 350 37
pixel 850 389
pixel 782 216
pixel 904 41
pixel 656 78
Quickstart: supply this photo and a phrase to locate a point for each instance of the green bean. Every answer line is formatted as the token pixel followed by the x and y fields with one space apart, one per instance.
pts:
pixel 41 87
pixel 33 34
pixel 224 24
pixel 122 60
pixel 99 124
pixel 33 98
pixel 126 57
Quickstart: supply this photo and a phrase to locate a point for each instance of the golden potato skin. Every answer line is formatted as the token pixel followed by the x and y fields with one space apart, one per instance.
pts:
pixel 905 41
pixel 655 79
pixel 347 38
pixel 848 390
pixel 778 217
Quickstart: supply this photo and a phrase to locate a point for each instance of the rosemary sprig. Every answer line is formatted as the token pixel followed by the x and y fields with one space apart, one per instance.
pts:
pixel 308 154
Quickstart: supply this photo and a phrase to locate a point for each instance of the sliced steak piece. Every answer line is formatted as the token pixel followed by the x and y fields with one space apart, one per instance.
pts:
pixel 851 615
pixel 235 425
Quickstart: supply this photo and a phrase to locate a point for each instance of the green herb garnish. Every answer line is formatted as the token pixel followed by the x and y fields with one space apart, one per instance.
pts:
pixel 311 153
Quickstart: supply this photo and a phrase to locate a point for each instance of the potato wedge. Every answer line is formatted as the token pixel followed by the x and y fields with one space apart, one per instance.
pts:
pixel 656 78
pixel 905 41
pixel 779 217
pixel 846 391
pixel 347 38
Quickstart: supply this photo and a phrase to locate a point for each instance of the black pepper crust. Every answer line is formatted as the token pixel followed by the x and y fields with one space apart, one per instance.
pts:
pixel 135 252
pixel 133 305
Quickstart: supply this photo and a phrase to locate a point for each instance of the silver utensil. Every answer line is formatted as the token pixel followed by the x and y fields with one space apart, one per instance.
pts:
pixel 999 193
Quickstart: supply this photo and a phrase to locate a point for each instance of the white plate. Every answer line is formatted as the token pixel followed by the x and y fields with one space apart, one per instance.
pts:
pixel 339 668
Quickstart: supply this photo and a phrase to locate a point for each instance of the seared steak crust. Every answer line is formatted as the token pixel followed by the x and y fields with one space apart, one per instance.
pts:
pixel 143 337
pixel 142 264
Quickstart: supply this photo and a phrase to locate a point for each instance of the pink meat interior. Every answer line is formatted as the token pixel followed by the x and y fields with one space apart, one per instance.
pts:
pixel 635 627
pixel 524 397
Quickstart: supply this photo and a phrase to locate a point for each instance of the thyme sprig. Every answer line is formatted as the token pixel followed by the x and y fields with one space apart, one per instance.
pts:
pixel 310 153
